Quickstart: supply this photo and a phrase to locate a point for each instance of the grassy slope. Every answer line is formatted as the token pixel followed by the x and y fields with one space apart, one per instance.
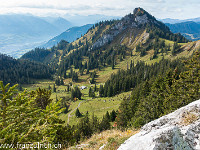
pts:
pixel 98 106
pixel 110 139
pixel 105 73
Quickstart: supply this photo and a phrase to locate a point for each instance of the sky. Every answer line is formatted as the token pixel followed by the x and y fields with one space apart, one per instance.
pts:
pixel 175 9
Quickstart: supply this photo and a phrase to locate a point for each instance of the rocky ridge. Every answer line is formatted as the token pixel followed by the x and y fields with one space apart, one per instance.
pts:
pixel 138 19
pixel 179 130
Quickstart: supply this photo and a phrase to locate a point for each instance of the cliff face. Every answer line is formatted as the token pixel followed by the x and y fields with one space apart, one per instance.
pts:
pixel 136 20
pixel 179 130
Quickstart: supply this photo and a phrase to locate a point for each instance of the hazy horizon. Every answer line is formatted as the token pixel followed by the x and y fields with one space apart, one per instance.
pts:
pixel 162 9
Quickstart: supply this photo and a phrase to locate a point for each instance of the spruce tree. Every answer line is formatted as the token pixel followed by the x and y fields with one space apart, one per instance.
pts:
pixel 94 123
pixel 91 92
pixel 20 120
pixel 54 88
pixel 113 115
pixel 105 124
pixel 113 64
pixel 61 82
pixel 107 116
pixel 72 94
pixel 49 88
pixel 101 91
pixel 68 88
pixel 42 97
pixel 95 87
pixel 77 113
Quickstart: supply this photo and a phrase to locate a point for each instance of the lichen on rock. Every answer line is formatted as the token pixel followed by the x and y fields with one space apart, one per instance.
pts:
pixel 169 132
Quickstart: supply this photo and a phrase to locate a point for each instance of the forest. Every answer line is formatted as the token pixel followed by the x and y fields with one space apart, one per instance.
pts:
pixel 22 71
pixel 161 94
pixel 150 99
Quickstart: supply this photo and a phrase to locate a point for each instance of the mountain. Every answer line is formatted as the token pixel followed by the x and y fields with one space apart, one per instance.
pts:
pixel 59 22
pixel 130 28
pixel 133 30
pixel 173 21
pixel 135 70
pixel 20 32
pixel 24 24
pixel 190 29
pixel 194 19
pixel 177 130
pixel 69 35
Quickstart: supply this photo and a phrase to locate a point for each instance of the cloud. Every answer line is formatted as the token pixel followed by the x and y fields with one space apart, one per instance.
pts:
pixel 158 8
pixel 152 1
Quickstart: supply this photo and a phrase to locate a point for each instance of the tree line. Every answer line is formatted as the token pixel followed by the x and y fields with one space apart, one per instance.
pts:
pixel 22 71
pixel 161 94
pixel 125 80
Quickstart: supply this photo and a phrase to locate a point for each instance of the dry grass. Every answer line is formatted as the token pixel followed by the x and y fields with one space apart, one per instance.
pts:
pixel 189 118
pixel 111 139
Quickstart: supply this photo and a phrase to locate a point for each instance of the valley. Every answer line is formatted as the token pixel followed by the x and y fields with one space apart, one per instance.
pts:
pixel 99 105
pixel 117 77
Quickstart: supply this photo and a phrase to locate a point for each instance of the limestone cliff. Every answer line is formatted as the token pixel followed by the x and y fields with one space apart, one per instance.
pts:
pixel 138 19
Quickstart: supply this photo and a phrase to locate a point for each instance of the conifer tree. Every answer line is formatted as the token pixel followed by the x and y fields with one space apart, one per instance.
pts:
pixel 21 122
pixel 113 115
pixel 95 87
pixel 105 124
pixel 61 82
pixel 77 113
pixel 113 64
pixel 107 116
pixel 72 94
pixel 54 88
pixel 49 88
pixel 101 91
pixel 42 97
pixel 68 88
pixel 76 93
pixel 94 124
pixel 84 126
pixel 91 92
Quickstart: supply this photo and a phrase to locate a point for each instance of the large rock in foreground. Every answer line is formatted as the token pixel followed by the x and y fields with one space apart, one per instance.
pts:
pixel 179 130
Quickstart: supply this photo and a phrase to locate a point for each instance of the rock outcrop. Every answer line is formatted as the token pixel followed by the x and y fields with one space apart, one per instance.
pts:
pixel 179 130
pixel 139 18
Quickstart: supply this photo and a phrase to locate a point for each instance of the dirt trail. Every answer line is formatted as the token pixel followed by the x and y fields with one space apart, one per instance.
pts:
pixel 69 115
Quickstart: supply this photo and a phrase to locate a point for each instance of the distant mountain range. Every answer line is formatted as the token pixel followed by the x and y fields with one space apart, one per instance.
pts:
pixel 31 25
pixel 59 23
pixel 69 35
pixel 190 29
pixel 173 21
pixel 19 33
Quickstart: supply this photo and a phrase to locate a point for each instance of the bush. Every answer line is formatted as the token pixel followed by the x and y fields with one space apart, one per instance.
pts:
pixel 139 122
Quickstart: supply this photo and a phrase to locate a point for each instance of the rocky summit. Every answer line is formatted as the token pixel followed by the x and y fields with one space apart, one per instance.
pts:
pixel 179 130
pixel 138 19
